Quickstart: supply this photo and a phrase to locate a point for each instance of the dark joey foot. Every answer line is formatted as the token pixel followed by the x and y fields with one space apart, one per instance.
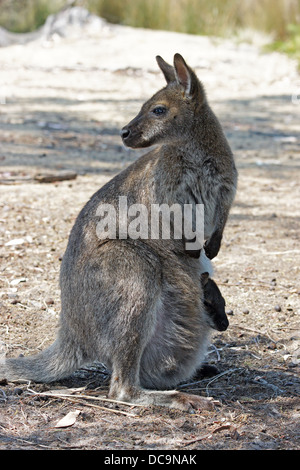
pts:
pixel 194 403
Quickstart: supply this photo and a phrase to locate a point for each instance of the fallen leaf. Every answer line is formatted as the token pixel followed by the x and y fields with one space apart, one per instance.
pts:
pixel 68 420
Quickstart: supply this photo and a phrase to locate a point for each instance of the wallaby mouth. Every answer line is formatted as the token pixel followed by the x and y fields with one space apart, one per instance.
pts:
pixel 132 133
pixel 128 137
pixel 133 138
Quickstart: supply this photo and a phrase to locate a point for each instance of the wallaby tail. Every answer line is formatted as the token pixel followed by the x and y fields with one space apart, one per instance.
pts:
pixel 57 361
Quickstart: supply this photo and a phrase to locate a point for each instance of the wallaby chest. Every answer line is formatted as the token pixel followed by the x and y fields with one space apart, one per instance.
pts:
pixel 182 178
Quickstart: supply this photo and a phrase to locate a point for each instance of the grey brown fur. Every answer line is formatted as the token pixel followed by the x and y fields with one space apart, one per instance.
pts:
pixel 136 305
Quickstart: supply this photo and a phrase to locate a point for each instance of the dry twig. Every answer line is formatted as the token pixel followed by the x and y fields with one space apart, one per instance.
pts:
pixel 79 398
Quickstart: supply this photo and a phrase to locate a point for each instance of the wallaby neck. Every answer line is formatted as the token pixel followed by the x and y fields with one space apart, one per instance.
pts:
pixel 203 140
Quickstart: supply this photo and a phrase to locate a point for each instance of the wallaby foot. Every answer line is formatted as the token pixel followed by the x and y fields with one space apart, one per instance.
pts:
pixel 168 398
pixel 191 403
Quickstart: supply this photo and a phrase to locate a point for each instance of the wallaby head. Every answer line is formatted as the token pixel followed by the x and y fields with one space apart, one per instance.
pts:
pixel 169 114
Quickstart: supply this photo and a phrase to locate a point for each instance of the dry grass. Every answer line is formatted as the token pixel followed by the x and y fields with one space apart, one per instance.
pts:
pixel 227 18
pixel 217 17
pixel 201 16
pixel 26 15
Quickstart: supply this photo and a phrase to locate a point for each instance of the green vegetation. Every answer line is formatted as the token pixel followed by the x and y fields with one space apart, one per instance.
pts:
pixel 279 18
pixel 290 44
pixel 21 16
pixel 217 17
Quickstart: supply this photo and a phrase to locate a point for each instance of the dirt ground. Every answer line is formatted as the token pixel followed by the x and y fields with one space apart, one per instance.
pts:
pixel 63 101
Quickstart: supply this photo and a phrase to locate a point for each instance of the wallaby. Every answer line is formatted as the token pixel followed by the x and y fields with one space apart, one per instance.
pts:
pixel 214 304
pixel 136 304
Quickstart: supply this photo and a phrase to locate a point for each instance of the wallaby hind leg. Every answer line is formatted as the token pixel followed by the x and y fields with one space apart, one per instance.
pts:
pixel 131 314
pixel 125 380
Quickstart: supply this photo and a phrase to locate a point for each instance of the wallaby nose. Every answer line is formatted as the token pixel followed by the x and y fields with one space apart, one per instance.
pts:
pixel 125 133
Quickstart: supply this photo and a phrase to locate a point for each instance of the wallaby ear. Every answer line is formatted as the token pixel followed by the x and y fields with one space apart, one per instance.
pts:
pixel 187 78
pixel 166 69
pixel 204 278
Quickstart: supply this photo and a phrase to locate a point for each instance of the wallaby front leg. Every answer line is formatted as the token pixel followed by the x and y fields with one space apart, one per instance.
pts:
pixel 213 244
pixel 223 204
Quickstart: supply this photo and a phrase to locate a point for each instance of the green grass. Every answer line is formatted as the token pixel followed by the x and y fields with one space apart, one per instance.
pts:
pixel 278 18
pixel 290 44
pixel 216 17
pixel 21 16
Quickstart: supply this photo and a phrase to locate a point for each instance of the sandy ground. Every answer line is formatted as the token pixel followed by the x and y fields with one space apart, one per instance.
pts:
pixel 63 102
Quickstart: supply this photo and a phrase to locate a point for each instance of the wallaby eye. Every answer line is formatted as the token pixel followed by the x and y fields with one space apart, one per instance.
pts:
pixel 159 110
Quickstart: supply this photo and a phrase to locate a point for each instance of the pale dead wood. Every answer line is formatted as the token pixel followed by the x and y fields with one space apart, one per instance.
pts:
pixel 79 398
pixel 92 405
pixel 57 176
pixel 88 397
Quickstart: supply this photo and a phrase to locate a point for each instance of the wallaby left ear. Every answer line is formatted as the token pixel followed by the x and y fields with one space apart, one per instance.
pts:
pixel 166 69
pixel 187 78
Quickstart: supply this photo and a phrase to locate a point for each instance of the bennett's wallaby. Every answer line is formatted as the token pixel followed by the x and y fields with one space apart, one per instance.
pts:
pixel 136 304
pixel 214 304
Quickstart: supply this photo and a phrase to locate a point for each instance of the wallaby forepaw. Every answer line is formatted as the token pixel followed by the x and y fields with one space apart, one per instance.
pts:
pixel 212 248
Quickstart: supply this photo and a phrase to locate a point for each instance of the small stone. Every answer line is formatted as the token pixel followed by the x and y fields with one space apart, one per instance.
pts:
pixel 245 311
pixel 49 301
pixel 277 308
pixel 229 312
